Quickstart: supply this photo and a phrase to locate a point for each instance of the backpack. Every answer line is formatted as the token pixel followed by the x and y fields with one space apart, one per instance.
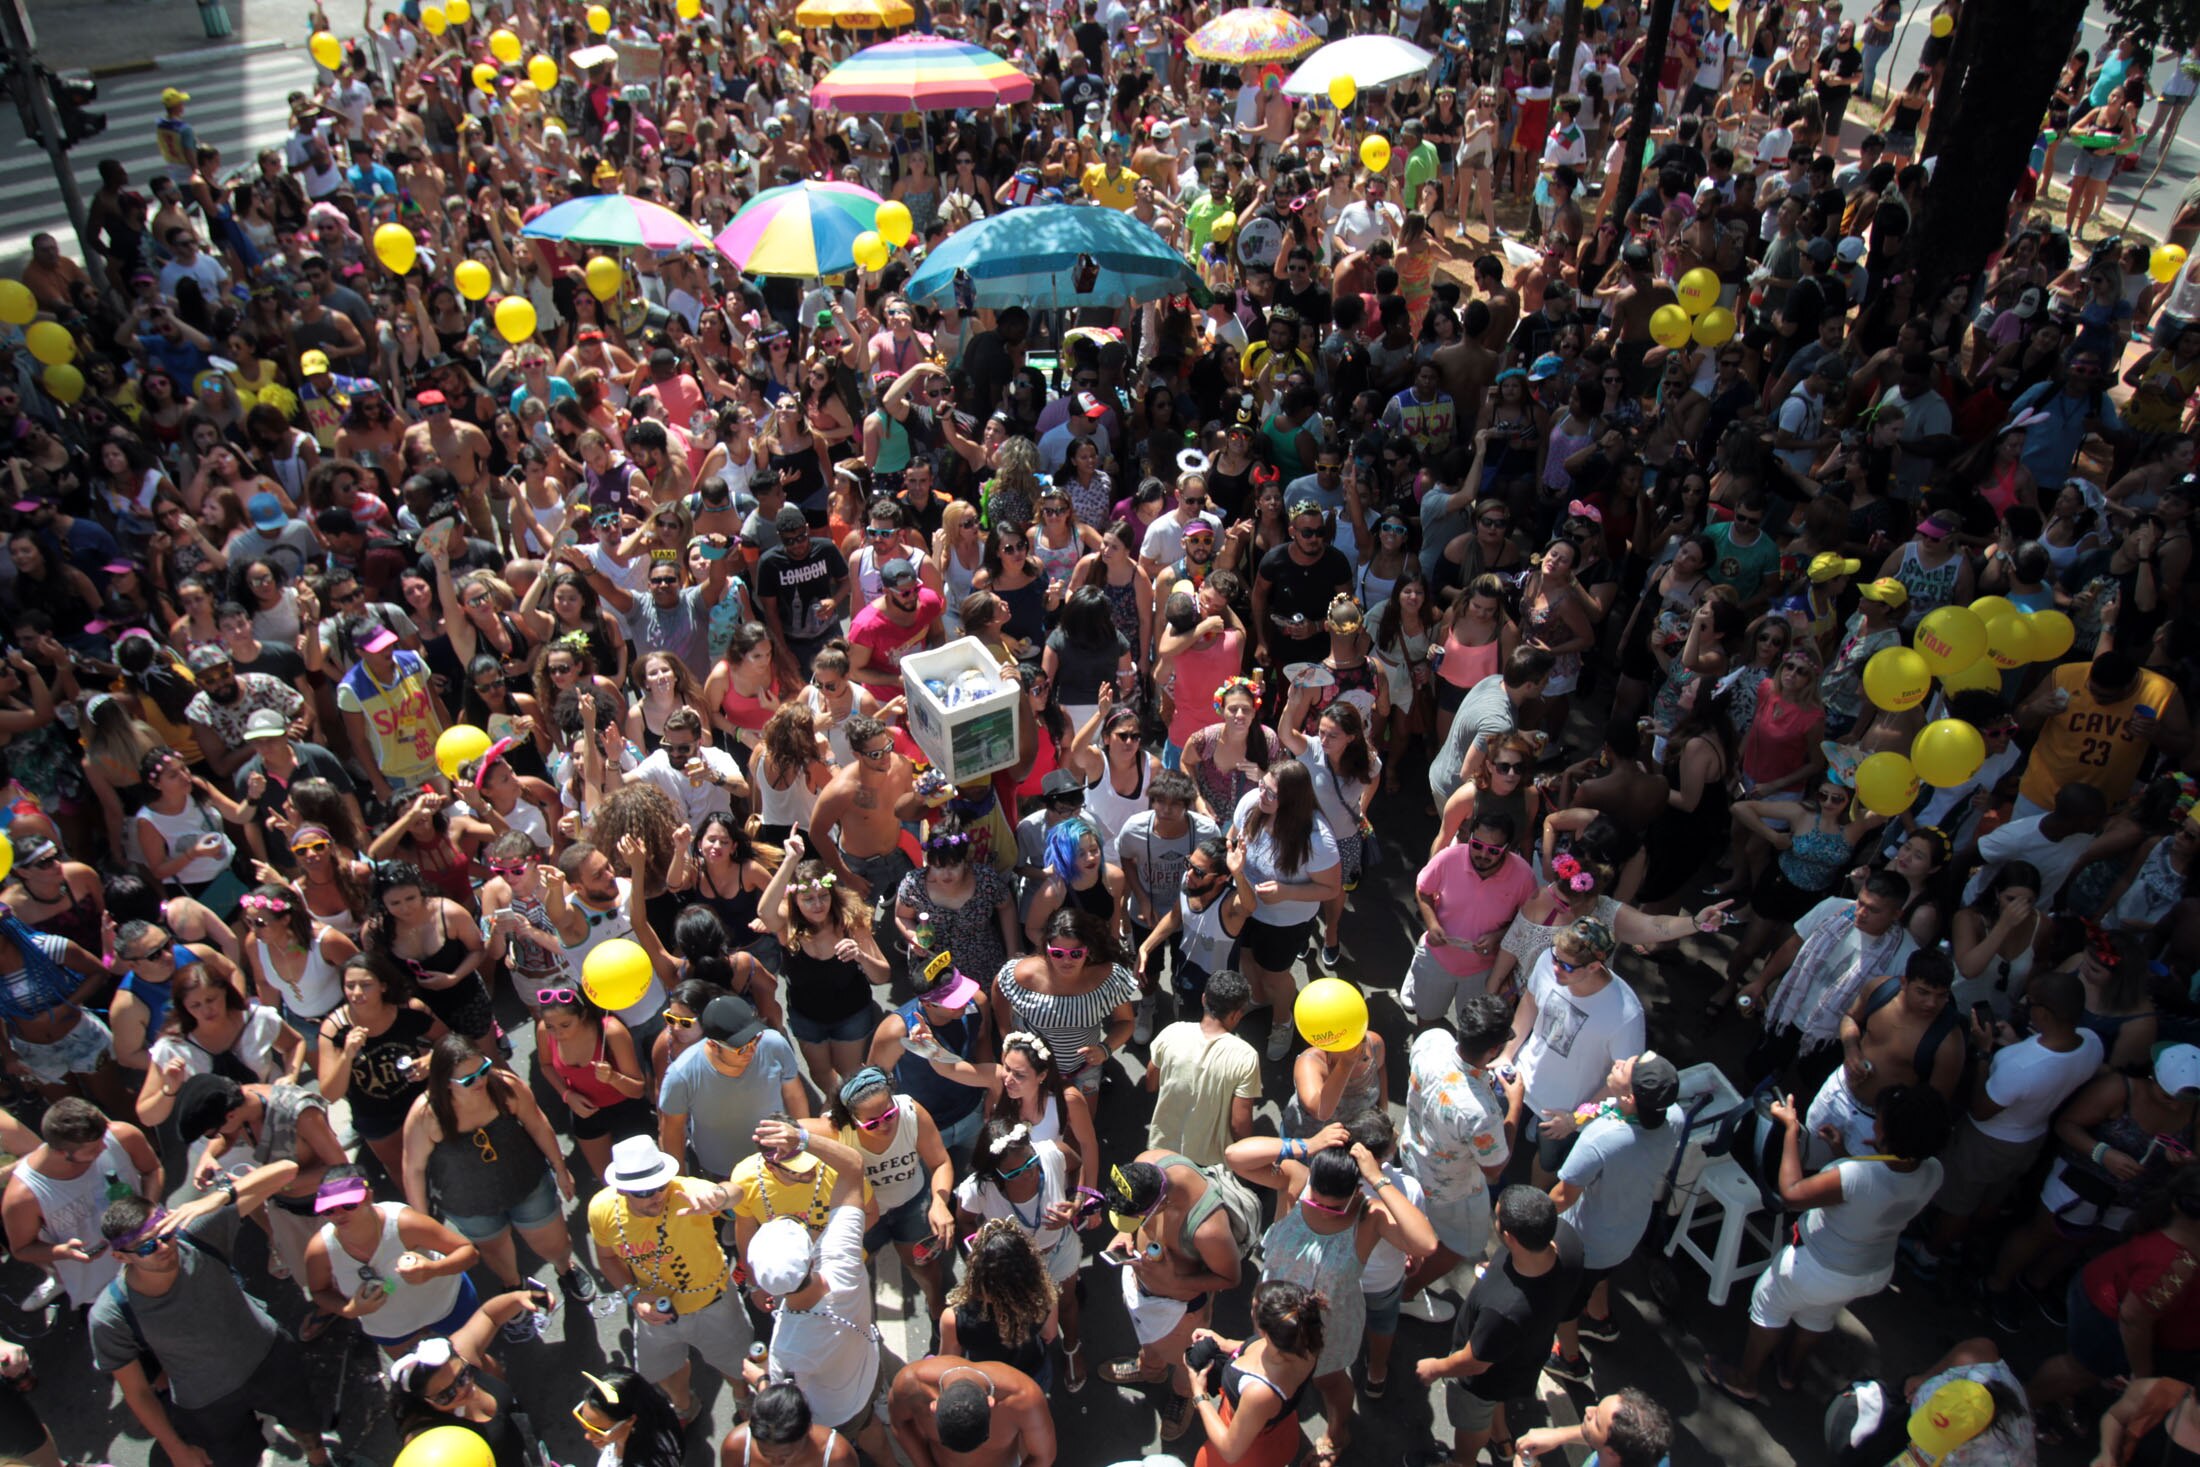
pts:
pixel 1226 1192
pixel 120 1295
pixel 1949 1018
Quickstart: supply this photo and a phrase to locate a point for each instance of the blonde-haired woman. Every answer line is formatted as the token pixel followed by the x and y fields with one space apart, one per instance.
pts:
pixel 958 553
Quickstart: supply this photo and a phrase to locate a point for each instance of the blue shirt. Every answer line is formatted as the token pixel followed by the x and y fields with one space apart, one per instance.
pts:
pixel 371 179
pixel 2051 445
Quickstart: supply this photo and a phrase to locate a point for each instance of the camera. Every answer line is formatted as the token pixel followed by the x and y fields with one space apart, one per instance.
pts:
pixel 1200 1354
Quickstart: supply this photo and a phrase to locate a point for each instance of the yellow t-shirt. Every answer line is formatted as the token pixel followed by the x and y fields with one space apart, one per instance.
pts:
pixel 764 1196
pixel 667 1254
pixel 2091 742
pixel 1117 190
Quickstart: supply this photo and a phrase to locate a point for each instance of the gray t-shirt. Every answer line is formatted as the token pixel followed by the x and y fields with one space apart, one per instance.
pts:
pixel 1439 527
pixel 722 1110
pixel 1486 713
pixel 209 1333
pixel 683 628
pixel 1618 1167
pixel 1858 1237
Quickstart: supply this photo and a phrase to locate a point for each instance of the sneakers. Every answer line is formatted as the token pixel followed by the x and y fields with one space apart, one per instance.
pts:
pixel 1279 1038
pixel 1922 1260
pixel 1429 1309
pixel 1176 1415
pixel 1331 957
pixel 579 1285
pixel 2051 1305
pixel 523 1328
pixel 1604 1331
pixel 1576 1369
pixel 1142 1030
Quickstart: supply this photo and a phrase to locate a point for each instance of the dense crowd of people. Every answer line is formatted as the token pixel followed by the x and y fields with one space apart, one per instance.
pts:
pixel 372 666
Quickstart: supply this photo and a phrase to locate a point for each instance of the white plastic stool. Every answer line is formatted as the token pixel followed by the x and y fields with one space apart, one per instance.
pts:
pixel 1727 1191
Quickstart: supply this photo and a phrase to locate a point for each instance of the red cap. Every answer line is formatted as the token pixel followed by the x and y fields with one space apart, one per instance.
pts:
pixel 431 397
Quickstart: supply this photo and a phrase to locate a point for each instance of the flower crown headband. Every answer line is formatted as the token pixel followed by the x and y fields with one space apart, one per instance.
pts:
pixel 1249 685
pixel 1031 1042
pixel 1014 1136
pixel 257 903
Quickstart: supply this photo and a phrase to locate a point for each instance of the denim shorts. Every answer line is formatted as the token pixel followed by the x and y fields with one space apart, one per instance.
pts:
pixel 532 1211
pixel 854 1029
pixel 1382 1309
pixel 908 1223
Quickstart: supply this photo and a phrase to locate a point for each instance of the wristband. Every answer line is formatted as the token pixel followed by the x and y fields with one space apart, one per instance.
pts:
pixel 801 1139
pixel 2100 1153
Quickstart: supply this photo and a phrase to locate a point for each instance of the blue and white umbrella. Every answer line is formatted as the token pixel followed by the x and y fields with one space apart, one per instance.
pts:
pixel 1028 257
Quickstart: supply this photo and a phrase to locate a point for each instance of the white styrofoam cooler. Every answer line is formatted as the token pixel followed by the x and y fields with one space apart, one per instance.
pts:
pixel 971 739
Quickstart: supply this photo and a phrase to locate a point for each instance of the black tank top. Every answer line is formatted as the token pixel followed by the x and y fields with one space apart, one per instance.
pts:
pixel 824 990
pixel 980 1337
pixel 1096 899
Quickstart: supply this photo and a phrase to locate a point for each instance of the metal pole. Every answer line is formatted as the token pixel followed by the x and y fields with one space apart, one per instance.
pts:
pixel 18 27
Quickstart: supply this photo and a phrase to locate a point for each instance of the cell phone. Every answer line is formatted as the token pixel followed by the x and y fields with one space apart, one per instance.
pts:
pixel 1982 1013
pixel 1115 1256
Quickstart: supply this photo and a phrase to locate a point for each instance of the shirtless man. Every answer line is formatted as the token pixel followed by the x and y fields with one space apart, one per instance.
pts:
pixel 1148 1202
pixel 1467 367
pixel 1633 293
pixel 1905 1039
pixel 950 1412
pixel 1503 301
pixel 856 831
pixel 1618 782
pixel 440 438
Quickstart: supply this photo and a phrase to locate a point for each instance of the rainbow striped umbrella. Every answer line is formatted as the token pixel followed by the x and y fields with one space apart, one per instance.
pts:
pixel 1250 34
pixel 619 221
pixel 803 230
pixel 920 74
pixel 855 15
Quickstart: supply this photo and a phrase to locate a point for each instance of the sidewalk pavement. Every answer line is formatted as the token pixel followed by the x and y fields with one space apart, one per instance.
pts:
pixel 111 37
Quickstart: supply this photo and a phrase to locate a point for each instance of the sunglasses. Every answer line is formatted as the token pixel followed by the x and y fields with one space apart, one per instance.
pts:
pixel 885 1117
pixel 1014 1171
pixel 1344 1211
pixel 1749 519
pixel 1565 967
pixel 145 1249
pixel 680 1021
pixel 1498 523
pixel 1510 766
pixel 679 753
pixel 1067 954
pixel 46 863
pixel 877 756
pixel 470 1081
pixel 556 995
pixel 510 868
pixel 1484 847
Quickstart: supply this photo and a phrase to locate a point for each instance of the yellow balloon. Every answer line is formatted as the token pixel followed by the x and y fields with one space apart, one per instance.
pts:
pixel 472 279
pixel 616 973
pixel 1331 1014
pixel 1670 326
pixel 485 78
pixel 1224 226
pixel 1981 676
pixel 688 9
pixel 1886 784
pixel 1714 327
pixel 1943 25
pixel 1986 608
pixel 515 318
pixel 1592 4
pixel 870 251
pixel 434 20
pixel 458 10
pixel 50 342
pixel 504 46
pixel 1342 89
pixel 1375 153
pixel 457 744
pixel 2052 634
pixel 1957 1413
pixel 2165 262
pixel 603 277
pixel 18 307
pixel 599 19
pixel 894 223
pixel 64 383
pixel 543 72
pixel 1721 5
pixel 396 248
pixel 1896 678
pixel 1947 752
pixel 448 1446
pixel 2009 640
pixel 326 49
pixel 1698 290
pixel 7 857
pixel 1950 638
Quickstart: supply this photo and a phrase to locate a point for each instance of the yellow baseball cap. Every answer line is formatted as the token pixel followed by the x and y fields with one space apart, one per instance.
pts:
pixel 312 362
pixel 174 97
pixel 1825 566
pixel 1886 589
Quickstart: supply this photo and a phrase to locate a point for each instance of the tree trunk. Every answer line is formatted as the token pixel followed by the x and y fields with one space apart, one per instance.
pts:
pixel 1569 36
pixel 1646 106
pixel 2001 71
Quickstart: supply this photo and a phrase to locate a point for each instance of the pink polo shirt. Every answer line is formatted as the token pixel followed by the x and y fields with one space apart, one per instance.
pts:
pixel 1471 906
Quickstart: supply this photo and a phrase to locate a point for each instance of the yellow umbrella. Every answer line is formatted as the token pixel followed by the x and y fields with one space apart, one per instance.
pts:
pixel 855 15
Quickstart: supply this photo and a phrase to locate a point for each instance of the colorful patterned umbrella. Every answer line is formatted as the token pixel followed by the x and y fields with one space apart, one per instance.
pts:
pixel 1250 34
pixel 920 74
pixel 855 15
pixel 617 220
pixel 1028 257
pixel 803 230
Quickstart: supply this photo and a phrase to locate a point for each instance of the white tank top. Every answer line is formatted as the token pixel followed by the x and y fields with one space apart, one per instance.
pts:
pixel 897 1173
pixel 410 1308
pixel 178 831
pixel 1204 943
pixel 790 806
pixel 319 989
pixel 1110 809
pixel 71 1209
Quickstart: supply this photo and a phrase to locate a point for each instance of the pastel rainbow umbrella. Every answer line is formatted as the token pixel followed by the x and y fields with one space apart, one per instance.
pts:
pixel 804 230
pixel 855 15
pixel 921 74
pixel 617 221
pixel 1252 34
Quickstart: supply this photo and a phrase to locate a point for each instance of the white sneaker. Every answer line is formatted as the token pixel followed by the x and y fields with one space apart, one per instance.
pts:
pixel 1429 1309
pixel 1142 1030
pixel 1279 1039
